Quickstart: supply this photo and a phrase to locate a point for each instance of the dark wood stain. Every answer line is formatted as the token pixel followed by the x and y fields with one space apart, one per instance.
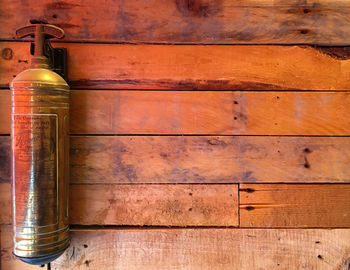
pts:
pixel 304 31
pixel 198 8
pixel 5 166
pixel 306 164
pixel 249 208
pixel 340 53
pixel 240 35
pixel 346 265
pixel 248 190
pixel 171 84
pixel 122 170
pixel 60 5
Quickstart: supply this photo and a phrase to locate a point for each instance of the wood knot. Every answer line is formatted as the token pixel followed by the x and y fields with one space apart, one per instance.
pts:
pixel 307 150
pixel 304 31
pixel 7 53
pixel 214 142
pixel 248 190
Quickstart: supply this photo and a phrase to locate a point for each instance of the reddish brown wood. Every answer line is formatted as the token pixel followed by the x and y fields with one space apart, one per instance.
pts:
pixel 188 21
pixel 191 67
pixel 5 112
pixel 279 205
pixel 208 112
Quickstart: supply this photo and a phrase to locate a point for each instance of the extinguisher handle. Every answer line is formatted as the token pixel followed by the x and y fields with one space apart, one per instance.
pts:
pixel 50 31
pixel 45 56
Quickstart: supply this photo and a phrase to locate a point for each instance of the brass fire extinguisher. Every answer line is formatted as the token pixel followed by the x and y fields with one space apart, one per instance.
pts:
pixel 40 150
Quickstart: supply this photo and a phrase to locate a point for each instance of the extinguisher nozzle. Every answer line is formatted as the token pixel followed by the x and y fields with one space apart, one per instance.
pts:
pixel 40 260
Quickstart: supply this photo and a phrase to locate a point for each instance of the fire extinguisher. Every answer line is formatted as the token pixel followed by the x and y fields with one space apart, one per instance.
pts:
pixel 40 149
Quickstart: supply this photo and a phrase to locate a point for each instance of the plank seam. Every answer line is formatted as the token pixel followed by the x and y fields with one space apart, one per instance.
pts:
pixel 239 204
pixel 210 184
pixel 197 135
pixel 77 227
pixel 186 43
pixel 6 88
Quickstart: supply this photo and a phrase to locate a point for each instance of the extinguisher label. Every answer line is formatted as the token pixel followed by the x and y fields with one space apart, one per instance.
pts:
pixel 35 169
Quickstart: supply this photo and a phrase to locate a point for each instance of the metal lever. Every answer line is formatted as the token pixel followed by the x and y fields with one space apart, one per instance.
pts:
pixel 44 54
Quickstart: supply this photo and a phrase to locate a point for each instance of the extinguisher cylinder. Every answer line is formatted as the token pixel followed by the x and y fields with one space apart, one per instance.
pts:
pixel 40 165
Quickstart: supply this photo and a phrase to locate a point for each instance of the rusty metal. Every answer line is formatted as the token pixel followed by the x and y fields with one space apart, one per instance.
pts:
pixel 40 154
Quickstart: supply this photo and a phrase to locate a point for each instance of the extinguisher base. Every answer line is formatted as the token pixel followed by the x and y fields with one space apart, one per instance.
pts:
pixel 40 260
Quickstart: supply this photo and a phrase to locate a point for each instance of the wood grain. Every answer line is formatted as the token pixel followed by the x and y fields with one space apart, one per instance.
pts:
pixel 202 159
pixel 261 205
pixel 196 249
pixel 166 205
pixel 5 203
pixel 204 112
pixel 209 159
pixel 188 21
pixel 204 249
pixel 294 205
pixel 192 67
pixel 5 113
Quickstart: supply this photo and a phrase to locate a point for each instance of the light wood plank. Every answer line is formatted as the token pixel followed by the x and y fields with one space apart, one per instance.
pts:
pixel 202 159
pixel 192 67
pixel 204 249
pixel 167 205
pixel 204 112
pixel 196 249
pixel 280 205
pixel 188 21
pixel 264 205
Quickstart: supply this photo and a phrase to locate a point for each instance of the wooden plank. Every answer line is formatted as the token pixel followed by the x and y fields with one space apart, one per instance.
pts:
pixel 5 159
pixel 5 203
pixel 202 159
pixel 185 21
pixel 7 260
pixel 281 205
pixel 209 159
pixel 204 112
pixel 264 205
pixel 197 249
pixel 192 67
pixel 166 205
pixel 5 113
pixel 204 249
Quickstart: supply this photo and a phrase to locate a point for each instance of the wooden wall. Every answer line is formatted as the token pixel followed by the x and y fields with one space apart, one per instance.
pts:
pixel 205 134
